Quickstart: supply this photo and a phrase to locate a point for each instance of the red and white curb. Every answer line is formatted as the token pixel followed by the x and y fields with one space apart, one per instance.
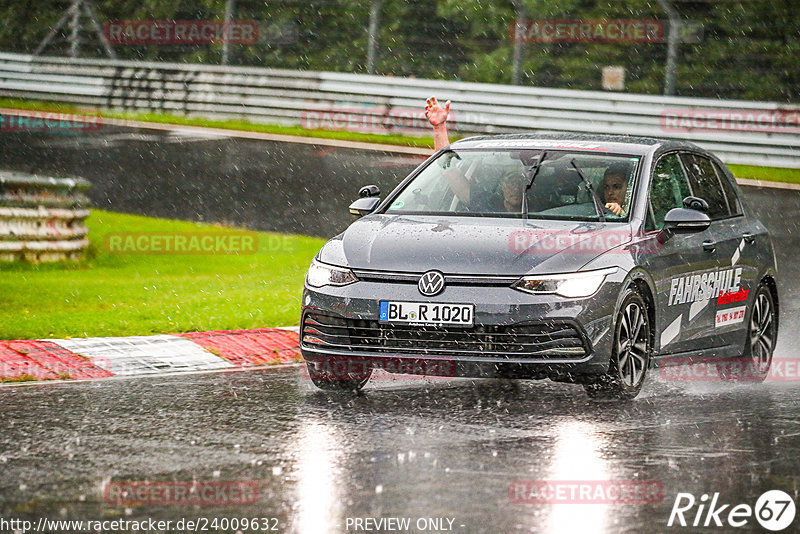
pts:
pixel 105 357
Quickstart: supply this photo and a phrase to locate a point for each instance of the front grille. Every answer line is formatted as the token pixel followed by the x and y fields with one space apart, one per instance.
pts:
pixel 534 340
pixel 449 279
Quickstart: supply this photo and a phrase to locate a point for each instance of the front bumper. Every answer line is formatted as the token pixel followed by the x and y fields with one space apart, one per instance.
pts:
pixel 515 334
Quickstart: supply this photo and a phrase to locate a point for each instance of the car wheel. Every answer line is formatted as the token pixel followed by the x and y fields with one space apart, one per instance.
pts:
pixel 348 380
pixel 630 353
pixel 760 342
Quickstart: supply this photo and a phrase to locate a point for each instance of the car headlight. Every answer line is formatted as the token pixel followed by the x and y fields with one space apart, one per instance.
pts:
pixel 570 285
pixel 320 274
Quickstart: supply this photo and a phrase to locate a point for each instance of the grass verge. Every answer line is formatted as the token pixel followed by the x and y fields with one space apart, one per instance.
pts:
pixel 122 295
pixel 768 174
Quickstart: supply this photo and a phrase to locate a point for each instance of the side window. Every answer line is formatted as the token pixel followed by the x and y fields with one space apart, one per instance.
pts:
pixel 734 203
pixel 668 188
pixel 706 185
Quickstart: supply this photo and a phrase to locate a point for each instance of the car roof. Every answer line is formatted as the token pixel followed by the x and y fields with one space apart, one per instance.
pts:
pixel 627 144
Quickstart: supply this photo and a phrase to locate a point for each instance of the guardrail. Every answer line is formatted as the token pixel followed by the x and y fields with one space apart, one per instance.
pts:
pixel 757 133
pixel 42 219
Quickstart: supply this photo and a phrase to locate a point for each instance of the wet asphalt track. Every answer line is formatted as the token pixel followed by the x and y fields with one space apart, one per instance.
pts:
pixel 407 447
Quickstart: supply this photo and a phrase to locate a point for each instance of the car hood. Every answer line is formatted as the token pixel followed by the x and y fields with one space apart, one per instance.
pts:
pixel 471 245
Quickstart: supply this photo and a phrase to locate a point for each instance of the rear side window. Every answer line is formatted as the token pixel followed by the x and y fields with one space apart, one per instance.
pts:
pixel 706 185
pixel 734 203
pixel 668 188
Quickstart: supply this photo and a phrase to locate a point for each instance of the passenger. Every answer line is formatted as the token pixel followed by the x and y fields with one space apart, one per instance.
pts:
pixel 508 199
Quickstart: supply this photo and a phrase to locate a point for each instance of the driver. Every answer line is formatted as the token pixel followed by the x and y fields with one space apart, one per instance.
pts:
pixel 615 188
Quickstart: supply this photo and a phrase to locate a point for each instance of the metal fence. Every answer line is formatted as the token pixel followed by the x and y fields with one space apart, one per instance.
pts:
pixel 756 133
pixel 42 219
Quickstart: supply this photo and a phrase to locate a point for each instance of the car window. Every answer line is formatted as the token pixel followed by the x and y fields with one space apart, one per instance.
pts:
pixel 706 185
pixel 734 203
pixel 495 183
pixel 668 188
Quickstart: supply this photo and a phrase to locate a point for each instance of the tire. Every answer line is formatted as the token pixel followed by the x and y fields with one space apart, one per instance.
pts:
pixel 350 380
pixel 761 335
pixel 630 353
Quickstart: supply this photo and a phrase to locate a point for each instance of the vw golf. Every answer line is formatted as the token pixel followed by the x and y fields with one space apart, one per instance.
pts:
pixel 583 259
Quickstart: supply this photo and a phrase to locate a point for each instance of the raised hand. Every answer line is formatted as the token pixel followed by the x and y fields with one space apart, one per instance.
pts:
pixel 435 113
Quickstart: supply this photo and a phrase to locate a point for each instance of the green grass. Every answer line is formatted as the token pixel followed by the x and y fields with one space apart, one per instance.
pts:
pixel 119 295
pixel 771 174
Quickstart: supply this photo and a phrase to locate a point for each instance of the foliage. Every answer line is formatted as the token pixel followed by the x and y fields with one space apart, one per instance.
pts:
pixel 748 49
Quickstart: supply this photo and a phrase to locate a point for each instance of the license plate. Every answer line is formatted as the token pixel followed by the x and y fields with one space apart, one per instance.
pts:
pixel 426 313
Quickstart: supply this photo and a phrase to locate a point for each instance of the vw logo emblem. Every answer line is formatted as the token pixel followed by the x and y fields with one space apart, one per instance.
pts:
pixel 431 283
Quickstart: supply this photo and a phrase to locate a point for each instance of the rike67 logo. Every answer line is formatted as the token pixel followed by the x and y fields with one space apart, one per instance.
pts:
pixel 774 510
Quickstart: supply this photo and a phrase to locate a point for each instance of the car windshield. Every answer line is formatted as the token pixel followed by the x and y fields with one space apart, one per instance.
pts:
pixel 558 185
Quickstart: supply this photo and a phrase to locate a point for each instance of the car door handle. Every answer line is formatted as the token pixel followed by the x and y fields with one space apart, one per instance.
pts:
pixel 748 237
pixel 709 246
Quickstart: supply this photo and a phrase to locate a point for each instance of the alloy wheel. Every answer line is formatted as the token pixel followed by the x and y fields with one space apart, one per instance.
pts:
pixel 633 344
pixel 762 332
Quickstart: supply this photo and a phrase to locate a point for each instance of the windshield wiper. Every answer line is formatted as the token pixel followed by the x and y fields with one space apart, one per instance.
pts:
pixel 530 172
pixel 598 204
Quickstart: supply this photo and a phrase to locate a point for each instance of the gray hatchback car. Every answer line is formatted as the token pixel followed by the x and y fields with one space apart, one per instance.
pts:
pixel 583 259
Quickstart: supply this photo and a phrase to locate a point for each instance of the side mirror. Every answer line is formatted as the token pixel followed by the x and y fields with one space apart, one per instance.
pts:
pixel 364 206
pixel 695 203
pixel 682 220
pixel 369 191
